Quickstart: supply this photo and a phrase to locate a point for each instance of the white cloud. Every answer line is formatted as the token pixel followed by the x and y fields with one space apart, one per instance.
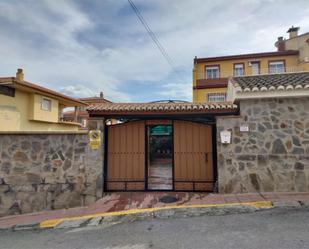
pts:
pixel 79 90
pixel 177 91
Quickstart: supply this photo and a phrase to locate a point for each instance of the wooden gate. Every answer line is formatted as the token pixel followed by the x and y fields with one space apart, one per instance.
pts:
pixel 193 162
pixel 126 156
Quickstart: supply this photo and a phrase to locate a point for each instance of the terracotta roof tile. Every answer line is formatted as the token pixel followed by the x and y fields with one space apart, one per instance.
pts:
pixel 284 81
pixel 160 107
pixel 94 100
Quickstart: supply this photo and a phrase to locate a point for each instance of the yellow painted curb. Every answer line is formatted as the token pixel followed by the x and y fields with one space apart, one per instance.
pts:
pixel 54 222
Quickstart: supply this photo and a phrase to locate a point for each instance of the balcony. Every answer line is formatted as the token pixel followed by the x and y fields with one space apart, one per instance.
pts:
pixel 211 83
pixel 222 81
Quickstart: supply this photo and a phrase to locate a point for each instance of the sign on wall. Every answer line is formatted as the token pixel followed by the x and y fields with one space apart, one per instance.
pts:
pixel 225 137
pixel 94 139
pixel 244 128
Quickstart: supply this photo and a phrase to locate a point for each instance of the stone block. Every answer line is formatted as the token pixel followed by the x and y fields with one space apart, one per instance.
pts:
pixel 95 221
pixel 49 179
pixel 255 181
pixel 304 203
pixel 90 190
pixel 287 204
pixel 67 199
pixel 4 188
pixel 67 164
pixel 27 226
pixel 72 223
pixel 246 157
pixel 284 181
pixel 299 166
pixel 278 147
pixel 89 199
pixel 300 181
pixel 15 180
pixel 20 156
pixel 33 178
pixel 14 209
pixel 5 167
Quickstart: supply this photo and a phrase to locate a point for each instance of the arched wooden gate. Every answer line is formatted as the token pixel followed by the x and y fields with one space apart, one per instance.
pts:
pixel 126 168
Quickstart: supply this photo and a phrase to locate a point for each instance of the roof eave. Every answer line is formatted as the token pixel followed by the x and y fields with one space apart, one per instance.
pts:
pixel 247 56
pixel 69 101
pixel 296 93
pixel 162 113
pixel 95 100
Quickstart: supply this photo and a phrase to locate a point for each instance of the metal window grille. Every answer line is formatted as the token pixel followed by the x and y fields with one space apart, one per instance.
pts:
pixel 212 72
pixel 46 104
pixel 216 97
pixel 239 70
pixel 276 67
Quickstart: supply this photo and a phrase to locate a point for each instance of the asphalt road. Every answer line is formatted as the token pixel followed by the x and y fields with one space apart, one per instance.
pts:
pixel 276 228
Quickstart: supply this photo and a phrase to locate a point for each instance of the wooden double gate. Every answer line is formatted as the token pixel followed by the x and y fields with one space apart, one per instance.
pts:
pixel 126 168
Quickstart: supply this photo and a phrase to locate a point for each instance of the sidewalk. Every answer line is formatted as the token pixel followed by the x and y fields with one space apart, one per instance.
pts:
pixel 137 200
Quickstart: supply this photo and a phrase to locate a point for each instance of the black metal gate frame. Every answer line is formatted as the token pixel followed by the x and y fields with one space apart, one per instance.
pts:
pixel 207 120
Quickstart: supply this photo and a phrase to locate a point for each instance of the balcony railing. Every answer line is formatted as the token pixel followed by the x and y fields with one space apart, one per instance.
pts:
pixel 211 83
pixel 248 72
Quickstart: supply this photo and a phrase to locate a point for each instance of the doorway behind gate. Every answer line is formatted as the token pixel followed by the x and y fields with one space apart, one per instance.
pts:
pixel 160 157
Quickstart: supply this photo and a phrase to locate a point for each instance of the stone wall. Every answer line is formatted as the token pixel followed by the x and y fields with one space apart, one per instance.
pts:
pixel 273 155
pixel 48 171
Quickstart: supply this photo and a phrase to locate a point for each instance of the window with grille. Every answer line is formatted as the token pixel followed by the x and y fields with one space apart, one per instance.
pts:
pixel 216 97
pixel 239 69
pixel 46 104
pixel 212 72
pixel 276 67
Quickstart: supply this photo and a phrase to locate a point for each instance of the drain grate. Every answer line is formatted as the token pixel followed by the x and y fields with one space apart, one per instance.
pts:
pixel 168 199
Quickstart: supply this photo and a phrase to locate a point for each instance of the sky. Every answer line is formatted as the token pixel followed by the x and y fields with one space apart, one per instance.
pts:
pixel 82 47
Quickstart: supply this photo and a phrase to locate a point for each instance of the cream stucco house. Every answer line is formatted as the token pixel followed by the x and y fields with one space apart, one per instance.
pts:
pixel 25 106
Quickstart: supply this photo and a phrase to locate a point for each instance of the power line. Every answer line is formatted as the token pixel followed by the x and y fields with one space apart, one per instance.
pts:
pixel 153 36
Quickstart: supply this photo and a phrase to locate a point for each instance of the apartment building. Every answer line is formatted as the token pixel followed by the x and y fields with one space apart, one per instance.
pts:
pixel 211 74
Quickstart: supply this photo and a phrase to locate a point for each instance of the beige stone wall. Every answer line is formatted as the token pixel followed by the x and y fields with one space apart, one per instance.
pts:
pixel 48 171
pixel 273 155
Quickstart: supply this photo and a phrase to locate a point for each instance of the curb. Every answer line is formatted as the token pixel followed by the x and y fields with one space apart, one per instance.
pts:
pixel 142 214
pixel 159 212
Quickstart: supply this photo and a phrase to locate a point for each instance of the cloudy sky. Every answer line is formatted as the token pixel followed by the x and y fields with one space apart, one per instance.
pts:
pixel 82 47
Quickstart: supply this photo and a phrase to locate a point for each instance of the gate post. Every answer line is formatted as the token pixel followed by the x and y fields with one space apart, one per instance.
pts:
pixel 99 124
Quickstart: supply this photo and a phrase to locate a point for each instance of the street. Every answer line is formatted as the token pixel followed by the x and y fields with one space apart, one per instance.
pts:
pixel 275 228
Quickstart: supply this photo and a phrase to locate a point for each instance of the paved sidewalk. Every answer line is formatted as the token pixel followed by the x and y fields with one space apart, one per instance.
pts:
pixel 137 200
